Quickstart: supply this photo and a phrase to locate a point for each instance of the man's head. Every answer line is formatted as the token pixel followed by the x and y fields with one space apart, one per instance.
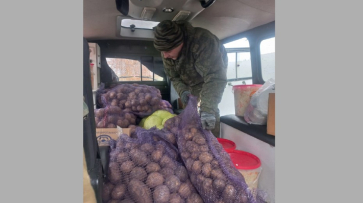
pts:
pixel 168 39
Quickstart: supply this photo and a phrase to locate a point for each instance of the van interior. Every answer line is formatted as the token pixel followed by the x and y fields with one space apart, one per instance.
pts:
pixel 118 49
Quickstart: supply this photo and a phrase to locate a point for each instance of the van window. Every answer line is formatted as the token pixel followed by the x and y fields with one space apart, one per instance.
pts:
pixel 267 48
pixel 239 71
pixel 134 68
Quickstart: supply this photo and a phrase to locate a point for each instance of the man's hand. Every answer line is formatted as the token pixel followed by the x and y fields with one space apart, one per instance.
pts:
pixel 185 97
pixel 208 120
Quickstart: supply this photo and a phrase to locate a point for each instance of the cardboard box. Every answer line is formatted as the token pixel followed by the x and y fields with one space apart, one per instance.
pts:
pixel 271 115
pixel 104 135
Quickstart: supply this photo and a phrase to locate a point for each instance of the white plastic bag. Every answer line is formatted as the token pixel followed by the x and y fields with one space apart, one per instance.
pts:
pixel 257 109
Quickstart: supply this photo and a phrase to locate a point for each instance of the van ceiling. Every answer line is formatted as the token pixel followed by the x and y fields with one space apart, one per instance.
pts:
pixel 224 18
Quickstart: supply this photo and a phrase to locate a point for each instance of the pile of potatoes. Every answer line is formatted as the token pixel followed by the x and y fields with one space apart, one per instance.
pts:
pixel 113 116
pixel 142 100
pixel 146 171
pixel 205 171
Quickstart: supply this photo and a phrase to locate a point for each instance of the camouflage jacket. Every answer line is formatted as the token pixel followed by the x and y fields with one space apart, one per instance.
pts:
pixel 202 64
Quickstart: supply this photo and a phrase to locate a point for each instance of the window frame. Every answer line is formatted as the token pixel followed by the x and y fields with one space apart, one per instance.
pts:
pixel 236 51
pixel 138 57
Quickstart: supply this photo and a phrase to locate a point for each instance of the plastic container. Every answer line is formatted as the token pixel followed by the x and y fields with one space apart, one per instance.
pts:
pixel 242 96
pixel 228 145
pixel 249 166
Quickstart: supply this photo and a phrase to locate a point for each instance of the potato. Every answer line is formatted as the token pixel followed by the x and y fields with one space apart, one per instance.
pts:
pixel 119 96
pixel 217 174
pixel 139 192
pixel 198 179
pixel 154 179
pixel 195 198
pixel 184 190
pixel 100 113
pixel 197 167
pixel 112 94
pixel 134 102
pixel 114 166
pixel 181 173
pixel 207 169
pixel 161 194
pixel 205 157
pixel 114 176
pixel 215 164
pixel 166 161
pixel 128 104
pixel 219 184
pixel 139 157
pixel 167 172
pixel 122 157
pixel 207 188
pixel 204 148
pixel 106 191
pixel 192 147
pixel 185 155
pixel 156 155
pixel 138 173
pixel 199 139
pixel 118 191
pixel 143 102
pixel 127 166
pixel 138 108
pixel 195 155
pixel 131 145
pixel 101 124
pixel 148 97
pixel 229 194
pixel 171 138
pixel 193 130
pixel 173 183
pixel 175 198
pixel 147 147
pixel 113 110
pixel 152 167
pixel 189 163
pixel 114 102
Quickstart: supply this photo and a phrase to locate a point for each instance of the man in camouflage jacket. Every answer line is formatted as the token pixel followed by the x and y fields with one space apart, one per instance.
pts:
pixel 196 62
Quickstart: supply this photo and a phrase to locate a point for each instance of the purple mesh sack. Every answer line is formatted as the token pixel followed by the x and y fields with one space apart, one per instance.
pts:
pixel 210 168
pixel 147 169
pixel 142 100
pixel 113 116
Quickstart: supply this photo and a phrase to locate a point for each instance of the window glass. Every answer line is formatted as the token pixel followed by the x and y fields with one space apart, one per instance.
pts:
pixel 125 69
pixel 231 69
pixel 241 43
pixel 244 69
pixel 139 24
pixel 267 48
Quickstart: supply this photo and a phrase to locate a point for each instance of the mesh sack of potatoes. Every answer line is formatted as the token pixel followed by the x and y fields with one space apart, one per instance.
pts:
pixel 142 100
pixel 113 116
pixel 209 167
pixel 147 169
pixel 171 129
